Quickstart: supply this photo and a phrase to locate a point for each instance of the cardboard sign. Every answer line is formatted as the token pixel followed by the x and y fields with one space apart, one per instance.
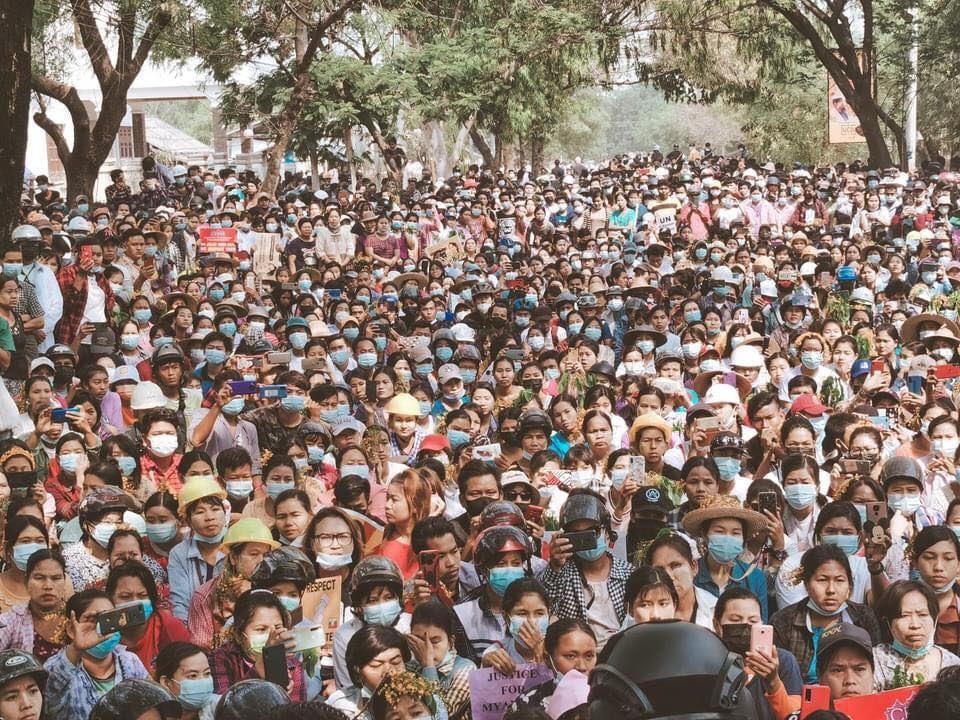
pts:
pixel 887 705
pixel 266 253
pixel 372 530
pixel 322 604
pixel 491 693
pixel 216 240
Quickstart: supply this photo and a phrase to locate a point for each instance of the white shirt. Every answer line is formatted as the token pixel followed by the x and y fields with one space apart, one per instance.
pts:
pixel 49 296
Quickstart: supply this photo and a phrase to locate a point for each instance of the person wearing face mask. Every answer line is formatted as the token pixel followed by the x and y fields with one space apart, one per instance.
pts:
pixel 723 525
pixel 87 296
pixel 42 279
pixel 911 610
pixel 278 424
pixel 526 605
pixel 376 588
pixel 24 536
pixel 100 512
pixel 935 557
pixel 77 673
pixel 259 619
pixel 587 584
pixel 184 669
pixel 828 581
pixel 220 427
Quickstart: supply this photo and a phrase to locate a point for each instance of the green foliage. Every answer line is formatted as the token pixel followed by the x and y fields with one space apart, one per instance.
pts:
pixel 191 116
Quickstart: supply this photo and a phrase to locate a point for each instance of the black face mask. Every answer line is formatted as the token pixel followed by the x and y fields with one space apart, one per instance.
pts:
pixel 533 385
pixel 63 375
pixel 736 636
pixel 641 529
pixel 21 480
pixel 475 507
pixel 30 252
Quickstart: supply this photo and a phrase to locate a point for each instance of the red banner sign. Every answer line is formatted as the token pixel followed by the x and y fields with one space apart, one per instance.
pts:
pixel 217 240
pixel 887 705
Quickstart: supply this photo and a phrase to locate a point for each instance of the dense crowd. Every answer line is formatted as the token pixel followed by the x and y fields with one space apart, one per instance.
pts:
pixel 332 452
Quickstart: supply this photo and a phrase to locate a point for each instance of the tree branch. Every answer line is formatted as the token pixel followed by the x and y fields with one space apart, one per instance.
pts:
pixel 53 130
pixel 158 23
pixel 318 32
pixel 93 42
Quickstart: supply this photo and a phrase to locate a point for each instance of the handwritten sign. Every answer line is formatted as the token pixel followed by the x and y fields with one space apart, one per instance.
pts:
pixel 491 693
pixel 266 253
pixel 323 605
pixel 216 240
pixel 890 704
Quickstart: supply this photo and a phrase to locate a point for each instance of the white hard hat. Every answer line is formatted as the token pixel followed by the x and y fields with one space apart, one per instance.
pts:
pixel 146 396
pixel 746 356
pixel 720 393
pixel 179 171
pixel 722 274
pixel 808 268
pixel 78 224
pixel 25 232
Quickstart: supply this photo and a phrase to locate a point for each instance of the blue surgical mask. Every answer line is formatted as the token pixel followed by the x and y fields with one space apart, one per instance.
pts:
pixel 457 438
pixel 315 454
pixel 724 548
pixel 162 532
pixel 22 553
pixel 645 346
pixel 444 353
pixel 499 578
pixel 912 653
pixel 216 294
pixel 215 356
pixel 293 403
pixel 367 360
pixel 575 328
pixel 361 470
pixel 351 333
pixel 423 369
pixel 468 376
pixel 340 357
pixel 147 608
pixel 691 316
pixel 593 333
pixel 275 488
pixel 12 269
pixel 238 489
pixel 290 603
pixel 127 465
pixel 103 648
pixel 298 340
pixel 385 613
pixel 216 539
pixel 820 611
pixel 326 561
pixel 848 543
pixel 517 622
pixel 195 692
pixel 229 329
pixel 800 497
pixel 906 504
pixel 811 359
pixel 729 467
pixel 380 343
pixel 234 407
pixel 596 553
pixel 142 315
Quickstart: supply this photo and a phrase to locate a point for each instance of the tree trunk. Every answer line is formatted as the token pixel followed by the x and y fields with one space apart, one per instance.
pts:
pixel 16 16
pixel 314 171
pixel 351 160
pixel 482 147
pixel 537 149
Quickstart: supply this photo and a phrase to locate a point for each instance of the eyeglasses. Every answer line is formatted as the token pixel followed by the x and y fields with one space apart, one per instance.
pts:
pixel 524 495
pixel 338 539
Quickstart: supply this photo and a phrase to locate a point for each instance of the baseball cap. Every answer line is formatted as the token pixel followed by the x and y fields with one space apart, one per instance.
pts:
pixel 650 497
pixel 844 634
pixel 809 404
pixel 343 424
pixel 125 373
pixel 435 443
pixel 448 372
pixel 41 362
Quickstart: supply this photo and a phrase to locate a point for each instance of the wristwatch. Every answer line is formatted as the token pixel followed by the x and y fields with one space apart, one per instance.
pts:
pixel 780 555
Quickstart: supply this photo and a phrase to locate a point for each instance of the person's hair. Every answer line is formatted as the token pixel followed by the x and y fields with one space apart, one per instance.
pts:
pixel 232 458
pixel 818 556
pixel 416 491
pixel 108 471
pixel 562 627
pixel 863 481
pixel 930 536
pixel 673 541
pixel 700 461
pixel 307 710
pixel 247 605
pixel 275 461
pixel 350 487
pixel 191 457
pixel 47 554
pixel 800 461
pixel 845 509
pixel 78 603
pixel 761 400
pixel 368 642
pixel 122 532
pixel 938 700
pixel 524 586
pixel 171 655
pixel 433 527
pixel 732 593
pixel 163 499
pixel 133 569
pixel 435 614
pixel 476 468
pixel 17 524
pixel 889 604
pixel 645 579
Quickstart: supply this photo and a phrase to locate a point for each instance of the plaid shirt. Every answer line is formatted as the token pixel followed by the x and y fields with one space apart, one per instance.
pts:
pixel 790 630
pixel 568 593
pixel 229 665
pixel 75 303
pixel 71 693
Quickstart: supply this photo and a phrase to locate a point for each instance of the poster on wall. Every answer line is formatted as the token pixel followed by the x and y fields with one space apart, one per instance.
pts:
pixel 842 122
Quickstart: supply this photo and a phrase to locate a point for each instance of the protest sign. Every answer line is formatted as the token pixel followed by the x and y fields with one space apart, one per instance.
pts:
pixel 322 604
pixel 216 240
pixel 491 692
pixel 887 705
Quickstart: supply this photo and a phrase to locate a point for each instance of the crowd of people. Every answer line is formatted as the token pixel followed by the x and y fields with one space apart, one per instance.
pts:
pixel 509 415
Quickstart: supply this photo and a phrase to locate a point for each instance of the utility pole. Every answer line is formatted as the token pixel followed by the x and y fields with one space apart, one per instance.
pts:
pixel 910 126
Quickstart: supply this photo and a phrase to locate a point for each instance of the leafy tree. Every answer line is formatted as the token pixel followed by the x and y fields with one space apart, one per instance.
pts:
pixel 135 29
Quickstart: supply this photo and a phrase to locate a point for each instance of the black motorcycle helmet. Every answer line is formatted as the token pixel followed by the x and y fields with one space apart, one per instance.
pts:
pixel 132 698
pixel 285 564
pixel 15 664
pixel 669 670
pixel 250 699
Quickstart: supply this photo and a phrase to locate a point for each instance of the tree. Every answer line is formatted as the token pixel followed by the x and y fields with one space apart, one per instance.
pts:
pixel 15 53
pixel 139 27
pixel 733 47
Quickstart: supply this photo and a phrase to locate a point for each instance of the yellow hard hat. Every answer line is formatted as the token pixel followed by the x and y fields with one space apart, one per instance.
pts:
pixel 403 404
pixel 248 530
pixel 197 488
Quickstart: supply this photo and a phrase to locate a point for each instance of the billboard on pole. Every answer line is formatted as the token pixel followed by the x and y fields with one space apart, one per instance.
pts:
pixel 842 123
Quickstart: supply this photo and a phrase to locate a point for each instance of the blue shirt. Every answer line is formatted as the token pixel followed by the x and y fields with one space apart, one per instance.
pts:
pixel 71 693
pixel 187 571
pixel 756 582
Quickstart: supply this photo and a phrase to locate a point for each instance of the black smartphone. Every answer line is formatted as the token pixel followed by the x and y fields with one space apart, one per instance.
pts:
pixel 21 480
pixel 583 540
pixel 428 566
pixel 121 617
pixel 275 665
pixel 767 501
